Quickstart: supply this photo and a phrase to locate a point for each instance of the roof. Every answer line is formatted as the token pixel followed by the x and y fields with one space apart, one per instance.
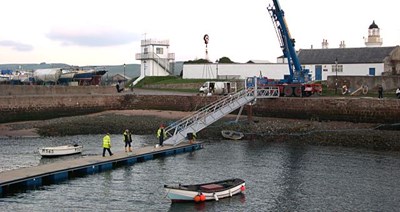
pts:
pixel 345 55
pixel 121 76
pixel 259 61
pixel 373 26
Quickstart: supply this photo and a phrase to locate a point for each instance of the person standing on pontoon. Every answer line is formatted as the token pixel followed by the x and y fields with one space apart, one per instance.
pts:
pixel 128 140
pixel 161 134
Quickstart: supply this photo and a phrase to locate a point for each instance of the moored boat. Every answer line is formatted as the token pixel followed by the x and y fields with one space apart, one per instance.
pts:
pixel 204 192
pixel 97 76
pixel 230 134
pixel 66 77
pixel 60 150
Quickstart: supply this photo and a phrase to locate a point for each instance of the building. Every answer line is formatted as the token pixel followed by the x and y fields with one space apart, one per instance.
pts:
pixel 324 62
pixel 321 63
pixel 156 60
pixel 366 61
pixel 374 38
pixel 119 78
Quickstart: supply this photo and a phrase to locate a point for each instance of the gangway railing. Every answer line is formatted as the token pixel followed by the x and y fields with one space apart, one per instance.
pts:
pixel 177 132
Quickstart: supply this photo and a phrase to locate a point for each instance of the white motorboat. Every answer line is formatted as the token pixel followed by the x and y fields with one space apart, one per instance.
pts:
pixel 206 191
pixel 60 150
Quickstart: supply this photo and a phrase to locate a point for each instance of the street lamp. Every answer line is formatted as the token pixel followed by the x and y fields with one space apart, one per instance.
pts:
pixel 124 75
pixel 217 61
pixel 336 83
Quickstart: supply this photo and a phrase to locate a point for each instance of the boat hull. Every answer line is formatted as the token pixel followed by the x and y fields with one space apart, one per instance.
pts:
pixel 60 150
pixel 214 191
pixel 229 134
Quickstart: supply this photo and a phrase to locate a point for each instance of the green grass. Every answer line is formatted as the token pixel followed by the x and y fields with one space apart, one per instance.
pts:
pixel 167 80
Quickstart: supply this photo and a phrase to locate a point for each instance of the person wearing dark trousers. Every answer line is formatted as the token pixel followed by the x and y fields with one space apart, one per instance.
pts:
pixel 380 92
pixel 128 140
pixel 161 135
pixel 107 145
pixel 118 87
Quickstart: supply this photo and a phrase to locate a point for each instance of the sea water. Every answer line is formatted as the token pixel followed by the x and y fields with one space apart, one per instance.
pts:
pixel 280 176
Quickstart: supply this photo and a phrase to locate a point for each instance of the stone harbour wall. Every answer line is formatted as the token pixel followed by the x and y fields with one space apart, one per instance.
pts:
pixel 372 110
pixel 11 90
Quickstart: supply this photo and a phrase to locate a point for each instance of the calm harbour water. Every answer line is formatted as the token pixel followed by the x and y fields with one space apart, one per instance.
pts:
pixel 279 177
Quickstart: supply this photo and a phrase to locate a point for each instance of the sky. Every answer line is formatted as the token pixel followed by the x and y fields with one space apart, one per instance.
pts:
pixel 108 32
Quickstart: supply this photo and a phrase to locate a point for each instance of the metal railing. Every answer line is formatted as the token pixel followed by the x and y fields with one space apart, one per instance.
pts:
pixel 211 113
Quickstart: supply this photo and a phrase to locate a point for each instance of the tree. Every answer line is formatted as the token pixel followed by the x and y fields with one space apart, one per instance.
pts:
pixel 225 60
pixel 198 61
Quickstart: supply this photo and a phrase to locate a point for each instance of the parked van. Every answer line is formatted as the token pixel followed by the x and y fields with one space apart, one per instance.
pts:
pixel 217 88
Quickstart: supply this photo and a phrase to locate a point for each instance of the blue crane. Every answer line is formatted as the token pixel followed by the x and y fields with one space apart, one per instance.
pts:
pixel 297 83
pixel 297 73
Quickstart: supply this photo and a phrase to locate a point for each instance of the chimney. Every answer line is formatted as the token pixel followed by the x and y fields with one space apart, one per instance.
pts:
pixel 342 45
pixel 325 44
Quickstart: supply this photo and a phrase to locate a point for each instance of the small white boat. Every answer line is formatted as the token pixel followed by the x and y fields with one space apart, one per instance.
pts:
pixel 207 191
pixel 60 150
pixel 230 134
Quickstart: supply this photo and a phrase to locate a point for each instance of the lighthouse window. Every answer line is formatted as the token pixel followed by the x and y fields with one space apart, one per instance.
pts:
pixel 159 50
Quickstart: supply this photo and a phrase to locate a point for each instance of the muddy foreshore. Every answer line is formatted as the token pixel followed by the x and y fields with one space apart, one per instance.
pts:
pixel 143 122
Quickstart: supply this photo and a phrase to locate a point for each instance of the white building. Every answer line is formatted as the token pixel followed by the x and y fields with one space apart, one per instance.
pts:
pixel 322 62
pixel 374 38
pixel 156 60
pixel 234 71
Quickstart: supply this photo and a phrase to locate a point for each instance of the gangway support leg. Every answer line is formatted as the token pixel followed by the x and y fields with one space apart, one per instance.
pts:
pixel 238 115
pixel 250 113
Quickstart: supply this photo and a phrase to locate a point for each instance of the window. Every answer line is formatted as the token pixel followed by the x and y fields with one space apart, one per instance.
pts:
pixel 159 50
pixel 339 68
pixel 145 50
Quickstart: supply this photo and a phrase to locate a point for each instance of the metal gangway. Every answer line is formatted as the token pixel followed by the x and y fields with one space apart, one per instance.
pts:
pixel 177 131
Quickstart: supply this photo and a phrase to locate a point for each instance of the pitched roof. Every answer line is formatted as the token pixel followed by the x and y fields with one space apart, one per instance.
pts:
pixel 259 61
pixel 345 55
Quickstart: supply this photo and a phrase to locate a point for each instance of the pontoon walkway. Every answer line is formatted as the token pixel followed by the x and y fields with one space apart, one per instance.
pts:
pixel 33 177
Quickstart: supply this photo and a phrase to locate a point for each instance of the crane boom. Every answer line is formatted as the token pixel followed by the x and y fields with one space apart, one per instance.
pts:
pixel 297 83
pixel 297 74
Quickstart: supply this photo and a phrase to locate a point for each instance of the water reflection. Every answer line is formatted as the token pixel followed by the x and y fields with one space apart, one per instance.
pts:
pixel 234 203
pixel 290 184
pixel 280 176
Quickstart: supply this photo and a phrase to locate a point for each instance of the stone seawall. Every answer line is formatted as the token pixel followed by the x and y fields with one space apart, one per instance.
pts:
pixel 18 108
pixel 372 110
pixel 17 90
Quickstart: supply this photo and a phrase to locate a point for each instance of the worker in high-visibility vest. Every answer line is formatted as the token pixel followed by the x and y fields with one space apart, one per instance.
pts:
pixel 107 145
pixel 191 137
pixel 128 140
pixel 161 135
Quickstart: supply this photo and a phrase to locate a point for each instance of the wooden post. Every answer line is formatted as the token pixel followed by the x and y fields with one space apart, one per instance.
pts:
pixel 250 113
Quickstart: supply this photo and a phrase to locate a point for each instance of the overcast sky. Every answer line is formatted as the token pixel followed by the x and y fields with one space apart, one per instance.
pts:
pixel 108 32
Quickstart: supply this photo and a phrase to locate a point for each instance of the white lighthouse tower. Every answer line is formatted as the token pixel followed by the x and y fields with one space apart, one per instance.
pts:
pixel 155 59
pixel 374 38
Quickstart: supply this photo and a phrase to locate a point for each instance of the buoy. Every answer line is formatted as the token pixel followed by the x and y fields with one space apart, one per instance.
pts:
pixel 242 188
pixel 197 198
pixel 202 197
